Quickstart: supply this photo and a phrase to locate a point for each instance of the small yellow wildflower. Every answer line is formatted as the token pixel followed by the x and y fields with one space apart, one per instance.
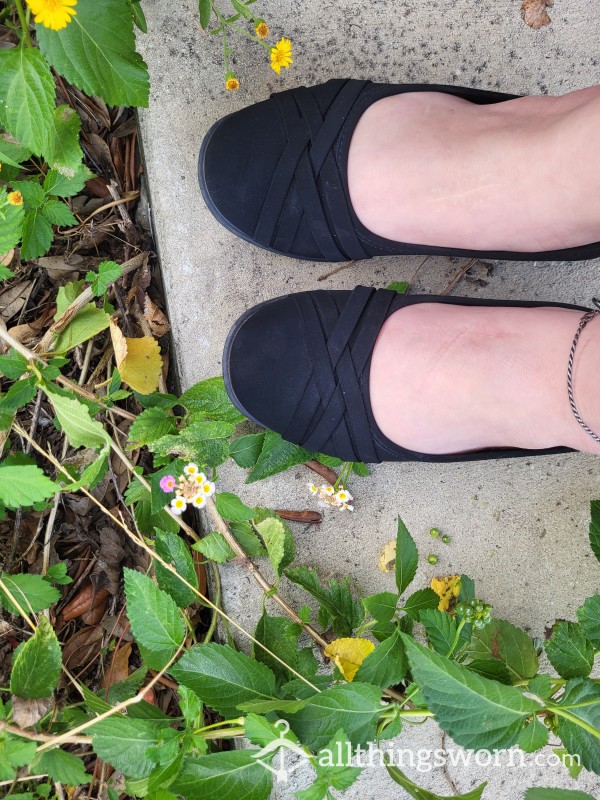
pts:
pixel 281 55
pixel 15 198
pixel 447 589
pixel 261 29
pixel 53 14
pixel 231 82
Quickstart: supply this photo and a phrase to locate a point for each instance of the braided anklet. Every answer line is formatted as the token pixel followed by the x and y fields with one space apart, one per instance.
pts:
pixel 589 315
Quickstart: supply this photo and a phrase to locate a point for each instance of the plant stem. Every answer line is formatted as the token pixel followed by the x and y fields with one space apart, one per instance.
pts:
pixel 461 625
pixel 23 21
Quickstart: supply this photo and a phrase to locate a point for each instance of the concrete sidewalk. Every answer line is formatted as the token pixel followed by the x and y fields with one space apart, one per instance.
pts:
pixel 518 527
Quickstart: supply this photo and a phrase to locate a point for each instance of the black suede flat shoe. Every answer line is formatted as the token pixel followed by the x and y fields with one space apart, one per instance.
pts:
pixel 300 364
pixel 275 174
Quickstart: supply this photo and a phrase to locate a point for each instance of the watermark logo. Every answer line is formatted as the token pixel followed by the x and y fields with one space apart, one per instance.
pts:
pixel 283 745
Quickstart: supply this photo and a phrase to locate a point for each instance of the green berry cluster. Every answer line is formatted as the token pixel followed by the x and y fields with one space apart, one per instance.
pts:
pixel 475 611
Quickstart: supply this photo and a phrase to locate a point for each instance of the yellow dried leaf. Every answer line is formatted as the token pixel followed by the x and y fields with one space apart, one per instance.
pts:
pixel 138 360
pixel 447 588
pixel 348 654
pixel 387 559
pixel 534 12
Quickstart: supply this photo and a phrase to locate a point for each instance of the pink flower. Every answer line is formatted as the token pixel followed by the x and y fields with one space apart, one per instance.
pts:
pixel 167 484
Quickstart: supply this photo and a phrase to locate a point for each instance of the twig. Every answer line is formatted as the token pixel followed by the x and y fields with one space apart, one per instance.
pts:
pixel 342 267
pixel 459 275
pixel 41 737
pixel 125 199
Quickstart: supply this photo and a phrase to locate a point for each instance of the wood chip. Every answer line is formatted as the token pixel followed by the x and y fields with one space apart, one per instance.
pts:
pixel 534 13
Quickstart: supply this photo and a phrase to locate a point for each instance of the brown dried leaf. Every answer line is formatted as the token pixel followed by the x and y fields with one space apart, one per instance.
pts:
pixel 95 614
pixel 534 12
pixel 157 321
pixel 118 668
pixel 26 334
pixel 14 298
pixel 82 647
pixel 86 599
pixel 107 569
pixel 27 713
pixel 7 258
pixel 61 267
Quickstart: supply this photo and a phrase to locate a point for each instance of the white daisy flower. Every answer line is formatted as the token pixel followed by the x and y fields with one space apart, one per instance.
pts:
pixel 199 501
pixel 312 488
pixel 327 490
pixel 199 478
pixel 191 468
pixel 178 505
pixel 208 488
pixel 343 496
pixel 347 507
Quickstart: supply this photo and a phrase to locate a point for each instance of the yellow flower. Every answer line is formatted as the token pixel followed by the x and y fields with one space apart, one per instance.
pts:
pixel 53 14
pixel 348 654
pixel 448 589
pixel 261 29
pixel 231 82
pixel 15 198
pixel 281 55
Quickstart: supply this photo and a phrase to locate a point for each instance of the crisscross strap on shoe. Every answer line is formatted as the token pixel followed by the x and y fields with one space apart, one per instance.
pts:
pixel 306 183
pixel 332 415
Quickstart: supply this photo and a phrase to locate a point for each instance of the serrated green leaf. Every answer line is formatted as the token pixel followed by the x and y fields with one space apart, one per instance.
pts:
pixel 63 767
pixel 419 601
pixel 58 213
pixel 16 753
pixel 27 90
pixel 66 295
pixel 407 557
pixel 11 223
pixel 260 731
pixel 489 668
pixel 75 420
pixel 400 287
pixel 569 651
pixel 96 52
pixel 336 598
pixel 124 743
pixel 222 678
pixel 19 394
pixel 541 685
pixel 231 508
pixel 246 450
pixel 88 322
pixel 36 664
pixel 273 535
pixel 172 549
pixel 280 636
pixel 386 665
pixel 32 592
pixel 37 235
pixel 556 794
pixel 533 736
pixel 211 398
pixel 330 775
pixel 215 547
pixel 476 712
pixel 422 794
pixel 248 539
pixel 155 620
pixel 12 365
pixel 578 721
pixel 205 12
pixel 354 707
pixel 289 546
pixel 276 456
pixel 108 271
pixel 24 486
pixel 505 642
pixel 63 151
pixel 381 606
pixel 595 527
pixel 151 425
pixel 206 776
pixel 32 192
pixel 589 619
pixel 56 183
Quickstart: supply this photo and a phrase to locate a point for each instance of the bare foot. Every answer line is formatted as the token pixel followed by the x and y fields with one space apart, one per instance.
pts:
pixel 520 175
pixel 448 378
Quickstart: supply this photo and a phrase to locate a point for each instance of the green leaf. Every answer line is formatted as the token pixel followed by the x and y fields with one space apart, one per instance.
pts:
pixel 58 213
pixel 386 665
pixel 211 398
pixel 215 547
pixel 533 736
pixel 247 538
pixel 260 731
pixel 578 718
pixel 12 365
pixel 24 486
pixel 63 767
pixel 541 685
pixel 108 271
pixel 205 12
pixel 75 420
pixel 27 90
pixel 15 753
pixel 381 606
pixel 96 52
pixel 11 224
pixel 400 287
pixel 407 557
pixel 37 235
pixel 57 573
pixel 203 441
pixel 229 774
pixel 569 651
pixel 56 183
pixel 66 295
pixel 246 450
pixel 33 194
pixel 124 743
pixel 330 775
pixel 289 546
pixel 419 601
pixel 172 549
pixel 63 151
pixel 152 424
pixel 32 592
pixel 336 598
pixel 595 528
pixel 280 636
pixel 556 794
pixel 354 707
pixel 273 535
pixel 222 678
pixel 230 507
pixel 89 322
pixel 505 642
pixel 36 664
pixel 155 620
pixel 489 668
pixel 276 456
pixel 589 619
pixel 476 712
pixel 19 394
pixel 422 794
